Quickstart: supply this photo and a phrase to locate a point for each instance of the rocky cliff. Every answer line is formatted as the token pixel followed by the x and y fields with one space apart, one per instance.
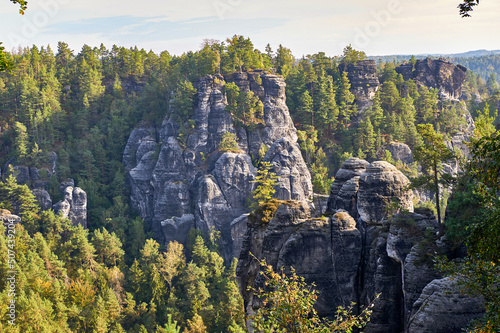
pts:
pixel 364 82
pixel 446 77
pixel 177 187
pixel 74 204
pixel 384 252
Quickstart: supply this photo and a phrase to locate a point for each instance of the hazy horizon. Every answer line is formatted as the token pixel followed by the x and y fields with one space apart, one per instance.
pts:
pixel 379 28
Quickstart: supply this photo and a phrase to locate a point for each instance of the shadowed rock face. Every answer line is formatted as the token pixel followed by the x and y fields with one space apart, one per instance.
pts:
pixel 173 180
pixel 364 82
pixel 354 261
pixel 352 167
pixel 440 74
pixel 442 307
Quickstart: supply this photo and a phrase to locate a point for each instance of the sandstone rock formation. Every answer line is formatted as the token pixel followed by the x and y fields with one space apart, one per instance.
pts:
pixel 354 261
pixel 73 206
pixel 352 167
pixel 175 185
pixel 399 152
pixel 440 74
pixel 442 307
pixel 378 186
pixel 364 82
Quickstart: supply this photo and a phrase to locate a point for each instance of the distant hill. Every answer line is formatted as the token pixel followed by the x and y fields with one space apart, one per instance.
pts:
pixel 402 57
pixel 482 62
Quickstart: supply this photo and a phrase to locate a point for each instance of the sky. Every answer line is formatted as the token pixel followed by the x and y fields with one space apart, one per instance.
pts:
pixel 378 27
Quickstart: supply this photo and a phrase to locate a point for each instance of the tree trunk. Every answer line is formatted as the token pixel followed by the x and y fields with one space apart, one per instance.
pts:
pixel 437 193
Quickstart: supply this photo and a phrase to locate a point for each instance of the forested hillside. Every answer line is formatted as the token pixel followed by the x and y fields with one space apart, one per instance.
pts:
pixel 113 277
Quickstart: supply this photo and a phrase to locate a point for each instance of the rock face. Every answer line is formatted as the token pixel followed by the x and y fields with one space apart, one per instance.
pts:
pixel 443 308
pixel 352 167
pixel 43 198
pixel 74 205
pixel 364 82
pixel 178 184
pixel 440 74
pixel 354 261
pixel 378 186
pixel 399 152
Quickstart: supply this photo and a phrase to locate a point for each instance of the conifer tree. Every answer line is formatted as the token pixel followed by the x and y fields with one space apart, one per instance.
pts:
pixel 266 181
pixel 431 154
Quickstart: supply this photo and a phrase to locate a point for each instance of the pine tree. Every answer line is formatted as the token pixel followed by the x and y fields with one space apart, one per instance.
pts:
pixel 345 98
pixel 266 181
pixel 430 155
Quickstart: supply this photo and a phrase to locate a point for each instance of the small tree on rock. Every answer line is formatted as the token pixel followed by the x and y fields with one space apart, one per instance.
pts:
pixel 265 180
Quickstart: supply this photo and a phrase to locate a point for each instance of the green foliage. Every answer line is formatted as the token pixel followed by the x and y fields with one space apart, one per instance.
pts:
pixel 467 6
pixel 246 109
pixel 229 143
pixel 484 123
pixel 288 306
pixel 184 101
pixel 430 155
pixel 266 181
pixel 352 56
pixel 479 273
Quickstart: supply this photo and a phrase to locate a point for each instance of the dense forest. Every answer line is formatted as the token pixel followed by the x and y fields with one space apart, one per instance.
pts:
pixel 113 277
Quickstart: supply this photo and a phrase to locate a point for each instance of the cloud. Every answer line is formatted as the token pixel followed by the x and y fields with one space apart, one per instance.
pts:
pixel 304 26
pixel 130 29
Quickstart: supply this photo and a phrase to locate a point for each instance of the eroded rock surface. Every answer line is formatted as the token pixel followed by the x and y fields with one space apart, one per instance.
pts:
pixel 399 152
pixel 352 167
pixel 349 260
pixel 364 82
pixel 443 308
pixel 74 205
pixel 171 179
pixel 381 185
pixel 440 74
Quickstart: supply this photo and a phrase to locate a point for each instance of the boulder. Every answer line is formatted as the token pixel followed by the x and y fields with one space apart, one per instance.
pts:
pixel 380 186
pixel 43 198
pixel 352 167
pixel 443 308
pixel 399 152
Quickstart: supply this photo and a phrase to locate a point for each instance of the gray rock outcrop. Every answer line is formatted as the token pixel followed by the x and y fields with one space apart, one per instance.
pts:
pixel 171 179
pixel 352 167
pixel 446 77
pixel 74 205
pixel 364 82
pixel 399 152
pixel 443 308
pixel 383 253
pixel 43 198
pixel 378 186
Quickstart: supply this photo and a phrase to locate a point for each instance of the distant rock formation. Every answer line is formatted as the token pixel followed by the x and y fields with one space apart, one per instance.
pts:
pixel 74 204
pixel 174 187
pixel 353 261
pixel 364 82
pixel 399 152
pixel 446 77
